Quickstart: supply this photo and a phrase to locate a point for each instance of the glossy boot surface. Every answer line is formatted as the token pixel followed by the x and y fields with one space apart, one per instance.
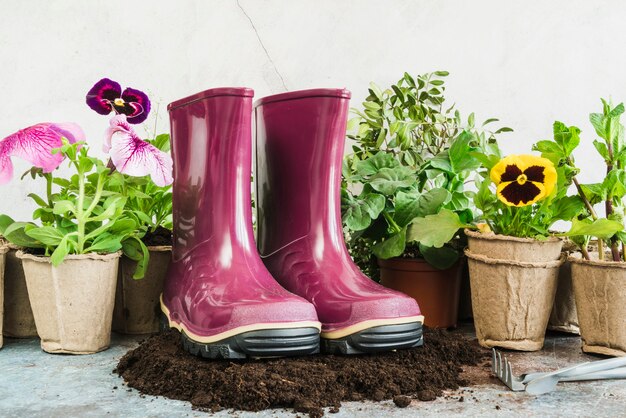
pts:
pixel 299 149
pixel 218 293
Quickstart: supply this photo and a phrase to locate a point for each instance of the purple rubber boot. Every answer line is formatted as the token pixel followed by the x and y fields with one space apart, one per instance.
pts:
pixel 299 149
pixel 218 293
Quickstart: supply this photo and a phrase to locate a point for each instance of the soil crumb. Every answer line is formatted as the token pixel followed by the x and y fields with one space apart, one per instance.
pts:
pixel 161 236
pixel 160 367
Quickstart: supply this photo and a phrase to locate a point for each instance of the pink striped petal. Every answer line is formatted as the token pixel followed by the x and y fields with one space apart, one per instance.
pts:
pixel 135 157
pixel 35 144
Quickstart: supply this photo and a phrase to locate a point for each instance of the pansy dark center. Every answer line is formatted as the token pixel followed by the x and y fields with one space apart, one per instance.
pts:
pixel 521 179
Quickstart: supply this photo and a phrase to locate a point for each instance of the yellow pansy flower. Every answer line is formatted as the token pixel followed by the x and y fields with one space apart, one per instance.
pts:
pixel 522 180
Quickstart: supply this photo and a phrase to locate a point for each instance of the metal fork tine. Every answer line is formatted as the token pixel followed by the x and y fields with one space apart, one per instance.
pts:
pixel 500 373
pixel 494 369
pixel 509 372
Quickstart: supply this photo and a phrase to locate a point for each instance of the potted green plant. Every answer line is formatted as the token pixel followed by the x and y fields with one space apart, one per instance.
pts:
pixel 147 255
pixel 412 157
pixel 71 257
pixel 599 277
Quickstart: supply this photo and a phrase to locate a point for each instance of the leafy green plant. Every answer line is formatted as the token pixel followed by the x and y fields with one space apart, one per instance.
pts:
pixel 411 159
pixel 610 191
pixel 82 217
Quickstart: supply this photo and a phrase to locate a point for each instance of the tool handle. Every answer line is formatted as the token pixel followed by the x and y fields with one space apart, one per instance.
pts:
pixel 617 373
pixel 594 366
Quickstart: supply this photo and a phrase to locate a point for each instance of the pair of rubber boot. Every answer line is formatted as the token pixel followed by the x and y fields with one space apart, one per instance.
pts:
pixel 298 291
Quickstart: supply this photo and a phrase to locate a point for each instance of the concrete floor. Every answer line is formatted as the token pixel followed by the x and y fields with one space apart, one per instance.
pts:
pixel 36 384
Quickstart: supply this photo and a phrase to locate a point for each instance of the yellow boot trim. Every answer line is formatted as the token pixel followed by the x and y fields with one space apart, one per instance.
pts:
pixel 235 331
pixel 340 333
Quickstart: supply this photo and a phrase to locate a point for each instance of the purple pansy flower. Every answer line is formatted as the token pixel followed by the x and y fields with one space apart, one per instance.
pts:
pixel 106 96
pixel 133 156
pixel 35 144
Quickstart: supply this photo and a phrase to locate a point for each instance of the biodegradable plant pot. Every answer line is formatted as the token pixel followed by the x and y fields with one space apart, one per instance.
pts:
pixel 3 251
pixel 465 298
pixel 436 291
pixel 564 316
pixel 512 300
pixel 72 303
pixel 18 315
pixel 504 247
pixel 137 302
pixel 600 290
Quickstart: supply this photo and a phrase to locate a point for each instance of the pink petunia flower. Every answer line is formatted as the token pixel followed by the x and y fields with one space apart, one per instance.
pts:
pixel 35 144
pixel 135 157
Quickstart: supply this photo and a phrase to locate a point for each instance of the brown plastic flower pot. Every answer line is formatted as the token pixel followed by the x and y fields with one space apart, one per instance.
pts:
pixel 18 315
pixel 3 251
pixel 137 302
pixel 73 302
pixel 436 291
pixel 504 247
pixel 600 290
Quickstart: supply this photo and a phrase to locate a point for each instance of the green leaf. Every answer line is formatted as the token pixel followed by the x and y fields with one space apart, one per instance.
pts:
pixel 38 200
pixel 406 207
pixel 550 150
pixel 388 180
pixel 47 235
pixel 431 202
pixel 566 208
pixel 441 73
pixel 106 243
pixel 63 206
pixel 594 192
pixel 435 230
pixel 487 160
pixel 567 137
pixel 374 164
pixel 60 253
pixel 391 247
pixel 600 228
pixel 441 161
pixel 441 258
pixel 15 234
pixel 602 149
pixel 359 212
pixel 5 221
pixel 460 153
pixel 503 129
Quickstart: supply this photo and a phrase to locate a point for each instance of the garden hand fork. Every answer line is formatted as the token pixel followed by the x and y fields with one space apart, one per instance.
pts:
pixel 542 382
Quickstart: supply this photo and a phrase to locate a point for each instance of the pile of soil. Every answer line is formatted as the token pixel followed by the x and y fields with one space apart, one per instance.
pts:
pixel 161 236
pixel 159 366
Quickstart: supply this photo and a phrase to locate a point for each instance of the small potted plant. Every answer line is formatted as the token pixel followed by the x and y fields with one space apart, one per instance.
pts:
pixel 599 277
pixel 71 259
pixel 412 159
pixel 147 255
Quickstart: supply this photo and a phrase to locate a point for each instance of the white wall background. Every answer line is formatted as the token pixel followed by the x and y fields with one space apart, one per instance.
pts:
pixel 527 63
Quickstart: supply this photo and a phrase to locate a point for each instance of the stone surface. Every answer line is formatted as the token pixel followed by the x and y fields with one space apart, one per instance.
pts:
pixel 36 384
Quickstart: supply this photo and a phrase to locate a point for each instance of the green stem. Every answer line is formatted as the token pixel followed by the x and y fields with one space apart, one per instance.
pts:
pixel 80 218
pixel 49 189
pixel 391 222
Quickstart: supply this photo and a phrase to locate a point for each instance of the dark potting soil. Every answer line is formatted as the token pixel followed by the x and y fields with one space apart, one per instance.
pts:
pixel 159 366
pixel 162 236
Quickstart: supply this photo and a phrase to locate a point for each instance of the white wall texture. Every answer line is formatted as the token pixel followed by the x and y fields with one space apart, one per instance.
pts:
pixel 527 63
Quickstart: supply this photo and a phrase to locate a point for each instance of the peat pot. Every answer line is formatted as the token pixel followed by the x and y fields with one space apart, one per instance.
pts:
pixel 3 251
pixel 600 291
pixel 436 291
pixel 564 317
pixel 137 303
pixel 73 302
pixel 18 315
pixel 512 300
pixel 504 247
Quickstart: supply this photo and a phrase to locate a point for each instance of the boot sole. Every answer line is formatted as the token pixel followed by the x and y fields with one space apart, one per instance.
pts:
pixel 255 343
pixel 376 339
